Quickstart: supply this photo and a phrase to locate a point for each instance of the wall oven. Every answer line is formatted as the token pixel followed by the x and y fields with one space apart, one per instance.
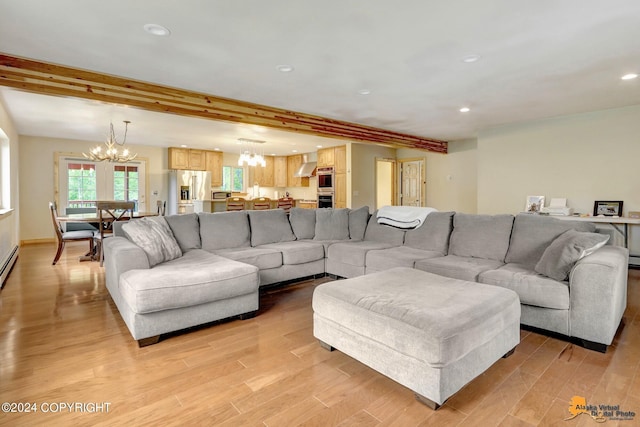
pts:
pixel 325 200
pixel 325 179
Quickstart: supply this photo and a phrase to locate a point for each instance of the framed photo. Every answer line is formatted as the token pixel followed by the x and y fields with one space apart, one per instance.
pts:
pixel 607 208
pixel 534 204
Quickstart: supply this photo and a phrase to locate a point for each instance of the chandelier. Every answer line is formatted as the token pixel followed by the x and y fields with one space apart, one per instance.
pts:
pixel 112 153
pixel 249 154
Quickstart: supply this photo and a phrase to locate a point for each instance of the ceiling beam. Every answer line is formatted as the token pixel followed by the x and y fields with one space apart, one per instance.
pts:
pixel 51 79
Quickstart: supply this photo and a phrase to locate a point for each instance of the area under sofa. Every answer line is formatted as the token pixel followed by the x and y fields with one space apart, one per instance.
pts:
pixel 501 250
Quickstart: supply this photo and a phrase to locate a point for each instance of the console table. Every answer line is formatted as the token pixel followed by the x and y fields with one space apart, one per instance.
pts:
pixel 615 222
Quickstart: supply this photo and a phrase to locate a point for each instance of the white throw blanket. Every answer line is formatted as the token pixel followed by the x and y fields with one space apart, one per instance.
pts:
pixel 403 216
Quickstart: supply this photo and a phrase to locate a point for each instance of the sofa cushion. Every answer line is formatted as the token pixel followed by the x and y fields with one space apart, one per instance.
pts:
pixel 433 235
pixel 270 226
pixel 261 258
pixel 358 219
pixel 532 234
pixel 561 255
pixel 224 230
pixel 481 236
pixel 463 268
pixel 399 256
pixel 332 224
pixel 155 238
pixel 383 233
pixel 297 252
pixel 303 222
pixel 186 230
pixel 196 278
pixel 532 288
pixel 354 253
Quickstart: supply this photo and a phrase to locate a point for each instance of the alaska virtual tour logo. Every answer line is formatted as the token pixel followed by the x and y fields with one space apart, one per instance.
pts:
pixel 600 413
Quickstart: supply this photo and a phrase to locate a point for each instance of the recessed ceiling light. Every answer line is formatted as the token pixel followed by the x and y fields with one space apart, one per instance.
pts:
pixel 294 151
pixel 285 68
pixel 156 30
pixel 216 149
pixel 318 146
pixel 629 76
pixel 364 92
pixel 470 58
pixel 465 109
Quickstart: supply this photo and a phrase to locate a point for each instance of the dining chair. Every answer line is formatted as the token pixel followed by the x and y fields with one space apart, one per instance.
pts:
pixel 162 206
pixel 67 236
pixel 235 204
pixel 285 203
pixel 108 213
pixel 261 204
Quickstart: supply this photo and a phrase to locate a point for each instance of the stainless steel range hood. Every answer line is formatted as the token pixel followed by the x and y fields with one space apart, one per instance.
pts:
pixel 307 168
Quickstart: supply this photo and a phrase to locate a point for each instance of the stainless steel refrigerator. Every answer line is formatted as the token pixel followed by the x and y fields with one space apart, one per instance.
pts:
pixel 185 187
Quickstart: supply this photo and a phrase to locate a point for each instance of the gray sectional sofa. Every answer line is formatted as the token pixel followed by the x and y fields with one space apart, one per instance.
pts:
pixel 568 281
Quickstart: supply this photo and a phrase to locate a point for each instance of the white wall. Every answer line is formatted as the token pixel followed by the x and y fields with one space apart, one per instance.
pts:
pixel 10 221
pixel 363 166
pixel 37 180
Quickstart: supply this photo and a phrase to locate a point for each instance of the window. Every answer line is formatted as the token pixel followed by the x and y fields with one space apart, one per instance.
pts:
pixel 232 178
pixel 81 185
pixel 5 172
pixel 125 182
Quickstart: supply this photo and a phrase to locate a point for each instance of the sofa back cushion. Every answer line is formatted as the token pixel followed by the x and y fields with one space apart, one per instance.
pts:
pixel 303 222
pixel 186 230
pixel 270 226
pixel 532 234
pixel 433 235
pixel 383 233
pixel 224 230
pixel 481 236
pixel 358 219
pixel 332 224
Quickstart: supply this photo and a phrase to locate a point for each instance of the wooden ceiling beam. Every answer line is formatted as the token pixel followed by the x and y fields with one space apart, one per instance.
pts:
pixel 56 80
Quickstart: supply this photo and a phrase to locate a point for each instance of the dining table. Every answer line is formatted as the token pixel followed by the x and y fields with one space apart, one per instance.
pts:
pixel 92 217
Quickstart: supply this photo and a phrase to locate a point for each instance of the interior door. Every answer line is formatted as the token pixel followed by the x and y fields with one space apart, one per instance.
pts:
pixel 412 182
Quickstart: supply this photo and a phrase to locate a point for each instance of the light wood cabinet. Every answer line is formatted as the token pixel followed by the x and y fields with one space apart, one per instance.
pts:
pixel 325 157
pixel 187 159
pixel 280 171
pixel 293 164
pixel 213 164
pixel 340 196
pixel 263 176
pixel 306 205
pixel 340 159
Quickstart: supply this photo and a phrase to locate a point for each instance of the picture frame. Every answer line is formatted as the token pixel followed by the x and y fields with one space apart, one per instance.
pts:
pixel 607 208
pixel 534 204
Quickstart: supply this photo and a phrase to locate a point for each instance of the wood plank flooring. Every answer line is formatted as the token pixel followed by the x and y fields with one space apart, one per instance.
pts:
pixel 63 341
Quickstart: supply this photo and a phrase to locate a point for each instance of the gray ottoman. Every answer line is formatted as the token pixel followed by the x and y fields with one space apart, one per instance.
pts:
pixel 430 333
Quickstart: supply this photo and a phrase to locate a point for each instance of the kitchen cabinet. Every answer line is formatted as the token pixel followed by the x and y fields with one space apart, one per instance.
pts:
pixel 340 189
pixel 280 171
pixel 263 176
pixel 306 204
pixel 293 164
pixel 340 159
pixel 213 164
pixel 186 159
pixel 325 157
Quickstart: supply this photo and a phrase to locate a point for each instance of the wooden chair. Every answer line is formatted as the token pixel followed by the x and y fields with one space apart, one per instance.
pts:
pixel 67 236
pixel 235 204
pixel 285 203
pixel 261 204
pixel 162 207
pixel 108 213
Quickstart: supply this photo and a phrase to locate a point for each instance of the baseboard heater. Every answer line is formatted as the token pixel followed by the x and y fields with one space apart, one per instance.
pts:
pixel 7 265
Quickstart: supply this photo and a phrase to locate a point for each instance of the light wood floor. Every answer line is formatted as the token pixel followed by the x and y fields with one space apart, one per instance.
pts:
pixel 62 340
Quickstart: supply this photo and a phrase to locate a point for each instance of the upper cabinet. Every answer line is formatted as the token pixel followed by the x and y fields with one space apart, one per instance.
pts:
pixel 185 158
pixel 263 176
pixel 293 164
pixel 340 159
pixel 325 157
pixel 280 171
pixel 213 164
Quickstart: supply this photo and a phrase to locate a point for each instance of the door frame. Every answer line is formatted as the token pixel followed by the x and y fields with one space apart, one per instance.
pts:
pixel 394 175
pixel 423 178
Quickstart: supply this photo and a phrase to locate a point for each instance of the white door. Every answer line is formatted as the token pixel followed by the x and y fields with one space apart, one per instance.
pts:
pixel 412 182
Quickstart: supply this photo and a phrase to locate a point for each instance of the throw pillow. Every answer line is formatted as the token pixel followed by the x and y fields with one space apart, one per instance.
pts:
pixel 567 249
pixel 358 219
pixel 303 222
pixel 270 226
pixel 332 224
pixel 155 238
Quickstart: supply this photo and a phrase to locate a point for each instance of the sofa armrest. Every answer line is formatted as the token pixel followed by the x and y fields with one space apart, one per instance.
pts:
pixel 598 294
pixel 120 256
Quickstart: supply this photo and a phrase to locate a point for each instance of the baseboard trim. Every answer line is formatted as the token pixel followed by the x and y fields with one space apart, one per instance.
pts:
pixel 37 241
pixel 8 265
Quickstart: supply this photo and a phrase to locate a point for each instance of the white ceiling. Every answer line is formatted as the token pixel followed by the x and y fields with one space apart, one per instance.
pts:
pixel 538 59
